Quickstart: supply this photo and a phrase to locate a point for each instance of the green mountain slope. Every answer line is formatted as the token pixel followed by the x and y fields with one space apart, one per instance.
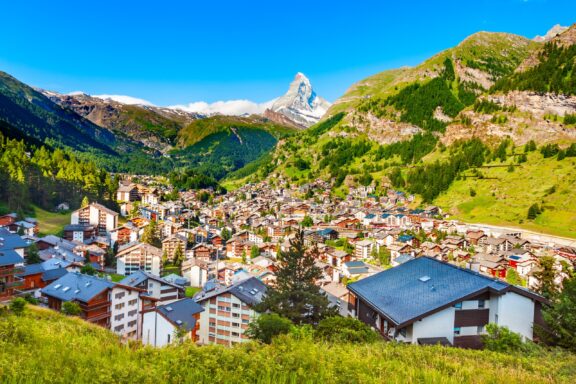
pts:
pixel 33 349
pixel 447 132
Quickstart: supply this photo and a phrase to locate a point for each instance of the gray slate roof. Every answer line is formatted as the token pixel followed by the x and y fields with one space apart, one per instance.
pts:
pixel 181 313
pixel 76 286
pixel 399 294
pixel 250 291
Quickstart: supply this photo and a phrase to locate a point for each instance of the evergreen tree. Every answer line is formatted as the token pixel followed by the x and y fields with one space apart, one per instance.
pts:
pixel 533 211
pixel 85 202
pixel 560 318
pixel 33 256
pixel 296 295
pixel 226 235
pixel 254 251
pixel 307 222
pixel 546 277
pixel 178 256
pixel 512 277
pixel 150 235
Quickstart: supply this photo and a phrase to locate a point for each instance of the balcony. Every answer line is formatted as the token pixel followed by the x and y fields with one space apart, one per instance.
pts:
pixel 11 271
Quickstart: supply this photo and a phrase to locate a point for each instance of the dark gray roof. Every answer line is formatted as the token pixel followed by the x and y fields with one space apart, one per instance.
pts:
pixel 250 291
pixel 11 241
pixel 420 286
pixel 139 277
pixel 76 286
pixel 181 313
pixel 10 257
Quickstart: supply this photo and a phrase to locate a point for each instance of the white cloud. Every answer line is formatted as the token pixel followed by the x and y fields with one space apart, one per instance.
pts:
pixel 125 99
pixel 229 107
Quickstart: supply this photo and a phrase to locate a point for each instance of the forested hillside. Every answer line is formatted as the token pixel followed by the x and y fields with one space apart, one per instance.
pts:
pixel 461 130
pixel 45 177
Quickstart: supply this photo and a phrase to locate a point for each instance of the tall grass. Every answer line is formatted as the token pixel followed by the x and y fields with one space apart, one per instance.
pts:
pixel 42 346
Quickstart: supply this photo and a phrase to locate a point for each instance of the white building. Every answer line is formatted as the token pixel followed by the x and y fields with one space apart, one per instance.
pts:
pixel 426 301
pixel 135 257
pixel 163 325
pixel 125 308
pixel 104 219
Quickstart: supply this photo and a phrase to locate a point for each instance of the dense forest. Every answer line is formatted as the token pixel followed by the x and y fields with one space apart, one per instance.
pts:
pixel 555 72
pixel 44 177
pixel 419 103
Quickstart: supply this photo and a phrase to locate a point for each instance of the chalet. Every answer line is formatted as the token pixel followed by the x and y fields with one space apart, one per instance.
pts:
pixel 328 234
pixel 103 219
pixel 128 233
pixel 162 324
pixel 155 286
pixel 79 233
pixel 127 193
pixel 26 227
pixel 196 272
pixel 135 257
pixel 476 238
pixel 204 252
pixel 37 276
pixel 337 295
pixel 228 311
pixel 11 264
pixel 336 258
pixel 91 293
pixel 492 264
pixel 425 301
pixel 498 244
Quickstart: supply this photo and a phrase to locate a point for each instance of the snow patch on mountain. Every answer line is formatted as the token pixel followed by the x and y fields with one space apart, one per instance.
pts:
pixel 301 104
pixel 128 100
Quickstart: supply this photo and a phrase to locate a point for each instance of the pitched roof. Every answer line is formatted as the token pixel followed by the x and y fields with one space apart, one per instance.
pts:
pixel 181 313
pixel 421 286
pixel 250 291
pixel 76 286
pixel 10 241
pixel 139 277
pixel 10 257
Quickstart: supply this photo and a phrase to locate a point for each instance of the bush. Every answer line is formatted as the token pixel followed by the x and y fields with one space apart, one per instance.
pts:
pixel 501 339
pixel 17 306
pixel 268 326
pixel 71 308
pixel 345 329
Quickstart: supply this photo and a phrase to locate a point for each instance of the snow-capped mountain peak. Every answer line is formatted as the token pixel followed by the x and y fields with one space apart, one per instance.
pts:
pixel 301 104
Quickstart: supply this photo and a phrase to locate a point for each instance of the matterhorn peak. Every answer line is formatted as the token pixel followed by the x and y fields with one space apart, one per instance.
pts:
pixel 301 104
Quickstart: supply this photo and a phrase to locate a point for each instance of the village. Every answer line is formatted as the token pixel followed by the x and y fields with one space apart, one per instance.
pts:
pixel 198 265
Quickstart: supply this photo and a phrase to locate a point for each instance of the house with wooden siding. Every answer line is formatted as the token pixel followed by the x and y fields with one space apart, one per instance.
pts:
pixel 426 301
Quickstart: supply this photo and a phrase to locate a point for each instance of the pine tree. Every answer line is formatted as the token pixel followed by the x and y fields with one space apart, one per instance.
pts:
pixel 546 277
pixel 85 202
pixel 33 256
pixel 559 318
pixel 150 235
pixel 533 211
pixel 296 295
pixel 178 256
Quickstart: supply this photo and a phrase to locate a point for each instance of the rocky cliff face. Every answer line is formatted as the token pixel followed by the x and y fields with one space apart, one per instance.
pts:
pixel 300 104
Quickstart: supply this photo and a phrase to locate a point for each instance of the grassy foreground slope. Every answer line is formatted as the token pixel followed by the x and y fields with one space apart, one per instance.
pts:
pixel 42 346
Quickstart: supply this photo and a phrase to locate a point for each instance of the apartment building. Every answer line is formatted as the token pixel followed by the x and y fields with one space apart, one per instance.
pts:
pixel 134 257
pixel 228 311
pixel 155 286
pixel 103 219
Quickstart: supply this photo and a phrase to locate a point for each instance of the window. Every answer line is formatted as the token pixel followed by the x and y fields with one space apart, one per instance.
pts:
pixel 456 331
pixel 245 321
pixel 119 295
pixel 236 325
pixel 236 305
pixel 119 317
pixel 481 303
pixel 403 332
pixel 480 329
pixel 458 305
pixel 168 338
pixel 235 334
pixel 133 302
pixel 119 306
pixel 212 324
pixel 236 315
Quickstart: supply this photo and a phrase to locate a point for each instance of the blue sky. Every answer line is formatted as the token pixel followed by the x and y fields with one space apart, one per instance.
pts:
pixel 175 52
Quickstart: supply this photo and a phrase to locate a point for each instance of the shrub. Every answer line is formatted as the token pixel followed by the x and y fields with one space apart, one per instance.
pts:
pixel 268 326
pixel 17 306
pixel 71 308
pixel 345 329
pixel 501 339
